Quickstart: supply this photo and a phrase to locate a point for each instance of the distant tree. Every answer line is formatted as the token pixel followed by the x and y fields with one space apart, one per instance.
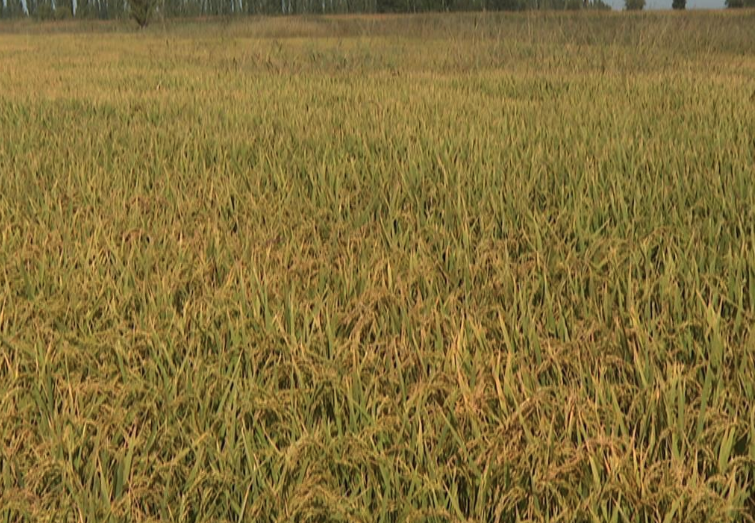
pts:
pixel 142 11
pixel 172 8
pixel 599 5
pixel 634 5
pixel 390 6
pixel 102 9
pixel 503 5
pixel 735 4
pixel 44 10
pixel 115 9
pixel 13 9
pixel 679 4
pixel 85 9
pixel 63 10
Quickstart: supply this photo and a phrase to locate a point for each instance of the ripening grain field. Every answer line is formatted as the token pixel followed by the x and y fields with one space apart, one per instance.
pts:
pixel 422 268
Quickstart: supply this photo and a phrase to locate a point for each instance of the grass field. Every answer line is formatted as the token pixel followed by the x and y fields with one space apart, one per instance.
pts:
pixel 422 268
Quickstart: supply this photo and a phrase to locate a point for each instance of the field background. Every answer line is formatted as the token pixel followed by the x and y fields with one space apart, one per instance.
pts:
pixel 421 268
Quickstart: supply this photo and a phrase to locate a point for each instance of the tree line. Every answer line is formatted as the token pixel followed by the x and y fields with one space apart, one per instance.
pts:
pixel 117 9
pixel 144 10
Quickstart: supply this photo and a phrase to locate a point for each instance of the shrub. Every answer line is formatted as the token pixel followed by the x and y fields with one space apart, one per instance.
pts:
pixel 63 12
pixel 599 5
pixel 45 11
pixel 142 11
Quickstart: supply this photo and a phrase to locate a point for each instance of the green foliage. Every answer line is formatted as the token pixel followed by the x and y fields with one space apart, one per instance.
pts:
pixel 63 9
pixel 86 9
pixel 116 9
pixel 679 4
pixel 504 5
pixel 735 4
pixel 599 5
pixel 391 6
pixel 63 12
pixel 44 10
pixel 401 268
pixel 141 11
pixel 165 9
pixel 634 5
pixel 13 9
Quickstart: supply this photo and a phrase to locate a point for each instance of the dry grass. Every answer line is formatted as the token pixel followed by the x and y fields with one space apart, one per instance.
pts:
pixel 323 269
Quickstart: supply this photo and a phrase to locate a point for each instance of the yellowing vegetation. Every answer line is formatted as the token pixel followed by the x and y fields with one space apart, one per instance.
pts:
pixel 420 268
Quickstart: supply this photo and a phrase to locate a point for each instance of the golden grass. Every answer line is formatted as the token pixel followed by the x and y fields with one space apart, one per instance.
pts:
pixel 426 268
